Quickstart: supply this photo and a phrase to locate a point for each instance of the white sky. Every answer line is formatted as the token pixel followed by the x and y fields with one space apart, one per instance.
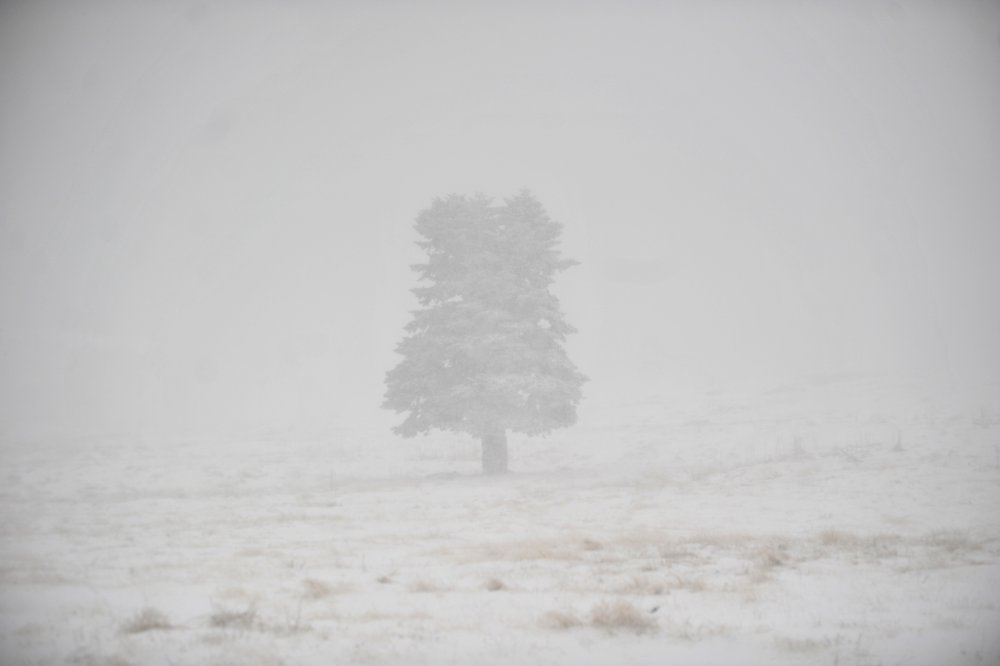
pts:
pixel 206 208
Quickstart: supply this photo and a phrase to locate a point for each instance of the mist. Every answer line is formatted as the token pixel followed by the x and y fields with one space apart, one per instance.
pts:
pixel 786 218
pixel 207 208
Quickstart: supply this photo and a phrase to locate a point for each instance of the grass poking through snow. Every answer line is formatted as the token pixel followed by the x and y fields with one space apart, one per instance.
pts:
pixel 148 619
pixel 230 619
pixel 315 589
pixel 614 616
pixel 494 585
pixel 560 620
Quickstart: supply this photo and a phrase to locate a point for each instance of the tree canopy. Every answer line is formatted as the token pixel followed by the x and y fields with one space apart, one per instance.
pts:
pixel 484 352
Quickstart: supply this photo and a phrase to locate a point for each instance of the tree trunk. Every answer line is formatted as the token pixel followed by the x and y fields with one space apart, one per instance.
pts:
pixel 495 452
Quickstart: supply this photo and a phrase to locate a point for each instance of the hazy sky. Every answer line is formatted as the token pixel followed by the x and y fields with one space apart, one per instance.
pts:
pixel 206 208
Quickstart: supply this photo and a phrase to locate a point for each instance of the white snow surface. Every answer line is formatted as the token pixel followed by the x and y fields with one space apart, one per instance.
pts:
pixel 839 521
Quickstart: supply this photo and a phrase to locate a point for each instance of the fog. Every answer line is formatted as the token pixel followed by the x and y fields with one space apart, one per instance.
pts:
pixel 206 209
pixel 787 222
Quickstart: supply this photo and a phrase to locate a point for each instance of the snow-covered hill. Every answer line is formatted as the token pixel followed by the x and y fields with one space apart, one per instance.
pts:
pixel 841 521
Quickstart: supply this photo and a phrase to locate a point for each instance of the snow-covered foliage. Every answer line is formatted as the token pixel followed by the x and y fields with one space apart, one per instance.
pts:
pixel 485 354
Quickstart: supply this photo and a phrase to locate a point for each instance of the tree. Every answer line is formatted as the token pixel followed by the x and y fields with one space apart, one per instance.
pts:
pixel 484 353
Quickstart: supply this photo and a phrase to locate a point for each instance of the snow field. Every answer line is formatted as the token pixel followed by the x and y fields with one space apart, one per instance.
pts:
pixel 839 523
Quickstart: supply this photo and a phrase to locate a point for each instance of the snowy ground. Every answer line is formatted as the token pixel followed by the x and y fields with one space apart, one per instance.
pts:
pixel 838 522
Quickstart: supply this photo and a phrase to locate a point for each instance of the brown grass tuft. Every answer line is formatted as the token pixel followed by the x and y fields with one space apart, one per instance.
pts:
pixel 494 585
pixel 84 658
pixel 229 619
pixel 148 619
pixel 800 645
pixel 772 554
pixel 643 585
pixel 560 621
pixel 524 550
pixel 950 541
pixel 315 589
pixel 424 586
pixel 839 539
pixel 875 545
pixel 621 615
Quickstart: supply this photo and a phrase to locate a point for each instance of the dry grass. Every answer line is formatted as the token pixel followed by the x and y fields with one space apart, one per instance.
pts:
pixel 877 547
pixel 249 620
pixel 494 585
pixel 838 539
pixel 950 542
pixel 799 645
pixel 688 584
pixel 675 553
pixel 648 586
pixel 236 594
pixel 643 586
pixel 873 544
pixel 560 621
pixel 230 619
pixel 651 564
pixel 88 659
pixel 424 586
pixel 694 632
pixel 522 551
pixel 615 616
pixel 316 589
pixel 148 619
pixel 721 541
pixel 387 616
pixel 772 553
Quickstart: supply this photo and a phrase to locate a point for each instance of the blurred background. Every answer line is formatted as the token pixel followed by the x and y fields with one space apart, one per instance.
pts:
pixel 206 208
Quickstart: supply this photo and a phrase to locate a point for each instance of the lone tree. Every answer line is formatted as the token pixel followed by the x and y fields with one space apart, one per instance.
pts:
pixel 484 353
